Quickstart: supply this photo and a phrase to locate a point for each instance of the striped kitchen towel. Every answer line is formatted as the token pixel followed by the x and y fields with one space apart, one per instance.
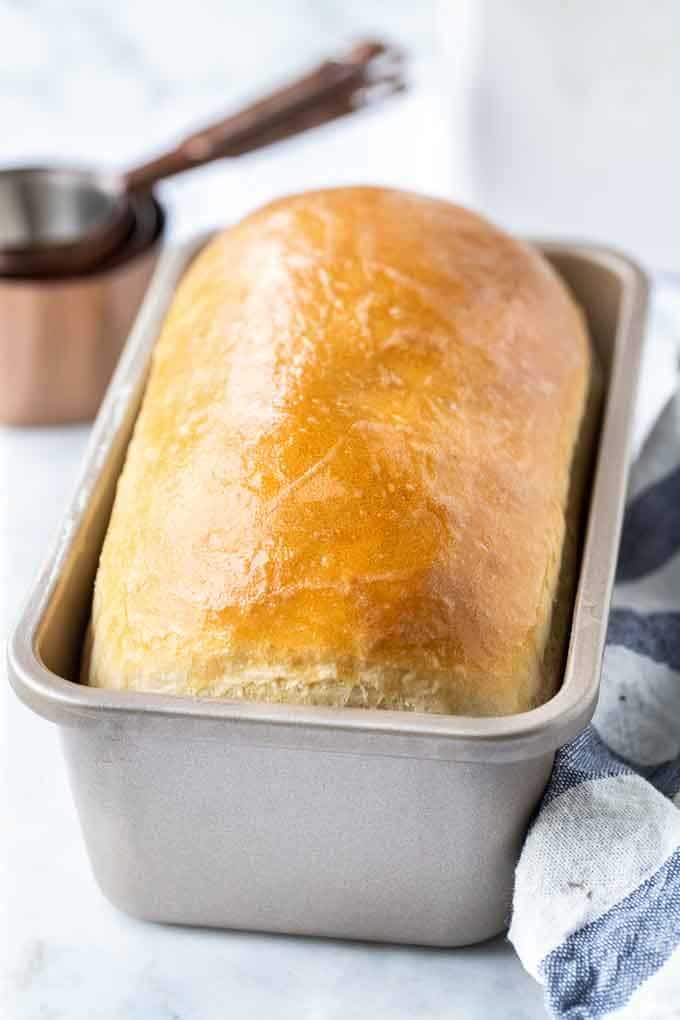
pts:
pixel 596 912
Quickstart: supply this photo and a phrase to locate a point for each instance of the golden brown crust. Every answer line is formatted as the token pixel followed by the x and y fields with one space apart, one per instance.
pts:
pixel 348 479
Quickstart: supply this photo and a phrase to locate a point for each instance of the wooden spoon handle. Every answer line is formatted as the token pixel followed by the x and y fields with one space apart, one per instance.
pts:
pixel 334 88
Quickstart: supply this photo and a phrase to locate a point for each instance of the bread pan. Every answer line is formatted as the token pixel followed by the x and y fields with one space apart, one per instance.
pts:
pixel 341 822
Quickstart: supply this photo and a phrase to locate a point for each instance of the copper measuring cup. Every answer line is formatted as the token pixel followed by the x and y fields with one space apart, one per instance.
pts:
pixel 69 220
pixel 61 336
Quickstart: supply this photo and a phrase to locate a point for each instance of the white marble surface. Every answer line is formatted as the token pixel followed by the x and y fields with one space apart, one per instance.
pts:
pixel 109 83
pixel 562 111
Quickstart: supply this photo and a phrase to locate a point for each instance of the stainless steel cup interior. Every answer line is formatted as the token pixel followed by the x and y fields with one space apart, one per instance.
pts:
pixel 41 205
pixel 341 822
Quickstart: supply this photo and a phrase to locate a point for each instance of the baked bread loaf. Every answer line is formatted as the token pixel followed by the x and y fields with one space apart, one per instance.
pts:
pixel 349 478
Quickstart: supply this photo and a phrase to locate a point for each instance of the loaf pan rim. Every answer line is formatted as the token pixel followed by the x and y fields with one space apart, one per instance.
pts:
pixel 462 738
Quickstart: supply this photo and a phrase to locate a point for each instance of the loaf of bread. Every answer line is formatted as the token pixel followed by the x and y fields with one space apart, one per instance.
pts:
pixel 350 476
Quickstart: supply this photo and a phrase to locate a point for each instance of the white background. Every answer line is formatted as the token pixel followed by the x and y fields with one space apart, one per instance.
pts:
pixel 91 80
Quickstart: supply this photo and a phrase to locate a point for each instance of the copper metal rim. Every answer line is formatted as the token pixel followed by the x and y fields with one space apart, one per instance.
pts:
pixel 141 226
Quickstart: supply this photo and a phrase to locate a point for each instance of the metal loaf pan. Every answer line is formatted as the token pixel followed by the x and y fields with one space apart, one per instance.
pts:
pixel 341 822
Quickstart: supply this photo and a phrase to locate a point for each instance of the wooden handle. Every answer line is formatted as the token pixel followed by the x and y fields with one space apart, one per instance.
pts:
pixel 317 97
pixel 344 101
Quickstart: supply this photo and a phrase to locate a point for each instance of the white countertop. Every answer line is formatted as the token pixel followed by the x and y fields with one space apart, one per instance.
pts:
pixel 134 80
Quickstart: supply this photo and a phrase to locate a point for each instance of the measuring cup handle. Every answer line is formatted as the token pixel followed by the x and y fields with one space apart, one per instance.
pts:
pixel 262 116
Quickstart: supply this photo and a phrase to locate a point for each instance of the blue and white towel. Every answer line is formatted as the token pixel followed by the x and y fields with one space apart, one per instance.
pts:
pixel 596 914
